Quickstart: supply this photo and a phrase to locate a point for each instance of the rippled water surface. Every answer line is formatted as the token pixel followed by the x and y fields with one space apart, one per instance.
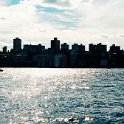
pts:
pixel 61 96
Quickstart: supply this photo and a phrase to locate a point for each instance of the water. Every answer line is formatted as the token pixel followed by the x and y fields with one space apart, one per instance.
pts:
pixel 61 96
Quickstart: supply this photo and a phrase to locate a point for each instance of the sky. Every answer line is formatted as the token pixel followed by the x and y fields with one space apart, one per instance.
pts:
pixel 72 21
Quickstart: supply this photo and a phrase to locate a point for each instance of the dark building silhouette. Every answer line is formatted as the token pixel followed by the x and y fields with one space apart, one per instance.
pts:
pixel 77 55
pixel 5 49
pixel 54 57
pixel 97 48
pixel 97 56
pixel 77 47
pixel 92 48
pixel 33 49
pixel 101 48
pixel 55 44
pixel 114 49
pixel 64 46
pixel 17 45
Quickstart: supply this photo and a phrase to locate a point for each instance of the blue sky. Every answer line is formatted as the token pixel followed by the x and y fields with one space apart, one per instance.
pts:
pixel 81 21
pixel 12 2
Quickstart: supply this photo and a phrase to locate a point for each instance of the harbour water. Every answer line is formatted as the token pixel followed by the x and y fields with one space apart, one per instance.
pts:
pixel 61 96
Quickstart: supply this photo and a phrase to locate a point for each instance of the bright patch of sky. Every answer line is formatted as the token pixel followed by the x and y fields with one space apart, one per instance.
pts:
pixel 14 1
pixel 81 21
pixel 48 9
pixel 9 2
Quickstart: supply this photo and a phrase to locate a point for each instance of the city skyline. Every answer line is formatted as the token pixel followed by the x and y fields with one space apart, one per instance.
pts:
pixel 22 44
pixel 70 20
pixel 60 56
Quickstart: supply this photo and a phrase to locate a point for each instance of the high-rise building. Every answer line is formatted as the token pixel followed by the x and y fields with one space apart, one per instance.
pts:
pixel 97 48
pixel 114 49
pixel 55 44
pixel 64 46
pixel 77 47
pixel 5 49
pixel 33 48
pixel 17 44
pixel 92 47
pixel 101 48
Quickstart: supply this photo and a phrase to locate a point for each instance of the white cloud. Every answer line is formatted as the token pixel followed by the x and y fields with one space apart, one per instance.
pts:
pixel 62 4
pixel 3 2
pixel 83 21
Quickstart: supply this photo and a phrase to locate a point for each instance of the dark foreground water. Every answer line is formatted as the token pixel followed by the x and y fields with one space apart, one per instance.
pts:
pixel 61 96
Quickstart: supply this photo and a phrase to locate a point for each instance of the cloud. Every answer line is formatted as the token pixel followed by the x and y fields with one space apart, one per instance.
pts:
pixel 60 4
pixel 71 20
pixel 9 2
pixel 2 18
pixel 3 2
pixel 60 19
pixel 100 2
pixel 122 35
pixel 104 36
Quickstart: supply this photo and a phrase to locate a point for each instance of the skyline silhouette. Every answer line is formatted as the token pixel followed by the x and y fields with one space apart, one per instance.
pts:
pixel 48 45
pixel 61 56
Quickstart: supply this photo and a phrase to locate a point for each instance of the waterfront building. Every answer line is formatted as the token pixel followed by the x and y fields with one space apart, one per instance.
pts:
pixel 114 49
pixel 55 44
pixel 45 61
pixel 64 47
pixel 60 61
pixel 17 45
pixel 92 47
pixel 33 49
pixel 5 49
pixel 97 48
pixel 76 47
pixel 104 62
pixel 77 57
pixel 101 48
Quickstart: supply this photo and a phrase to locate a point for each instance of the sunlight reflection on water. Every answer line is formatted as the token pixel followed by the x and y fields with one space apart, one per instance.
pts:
pixel 61 96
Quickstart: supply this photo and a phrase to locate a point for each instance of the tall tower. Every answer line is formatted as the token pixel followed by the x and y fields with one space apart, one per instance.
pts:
pixel 55 44
pixel 5 49
pixel 17 44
